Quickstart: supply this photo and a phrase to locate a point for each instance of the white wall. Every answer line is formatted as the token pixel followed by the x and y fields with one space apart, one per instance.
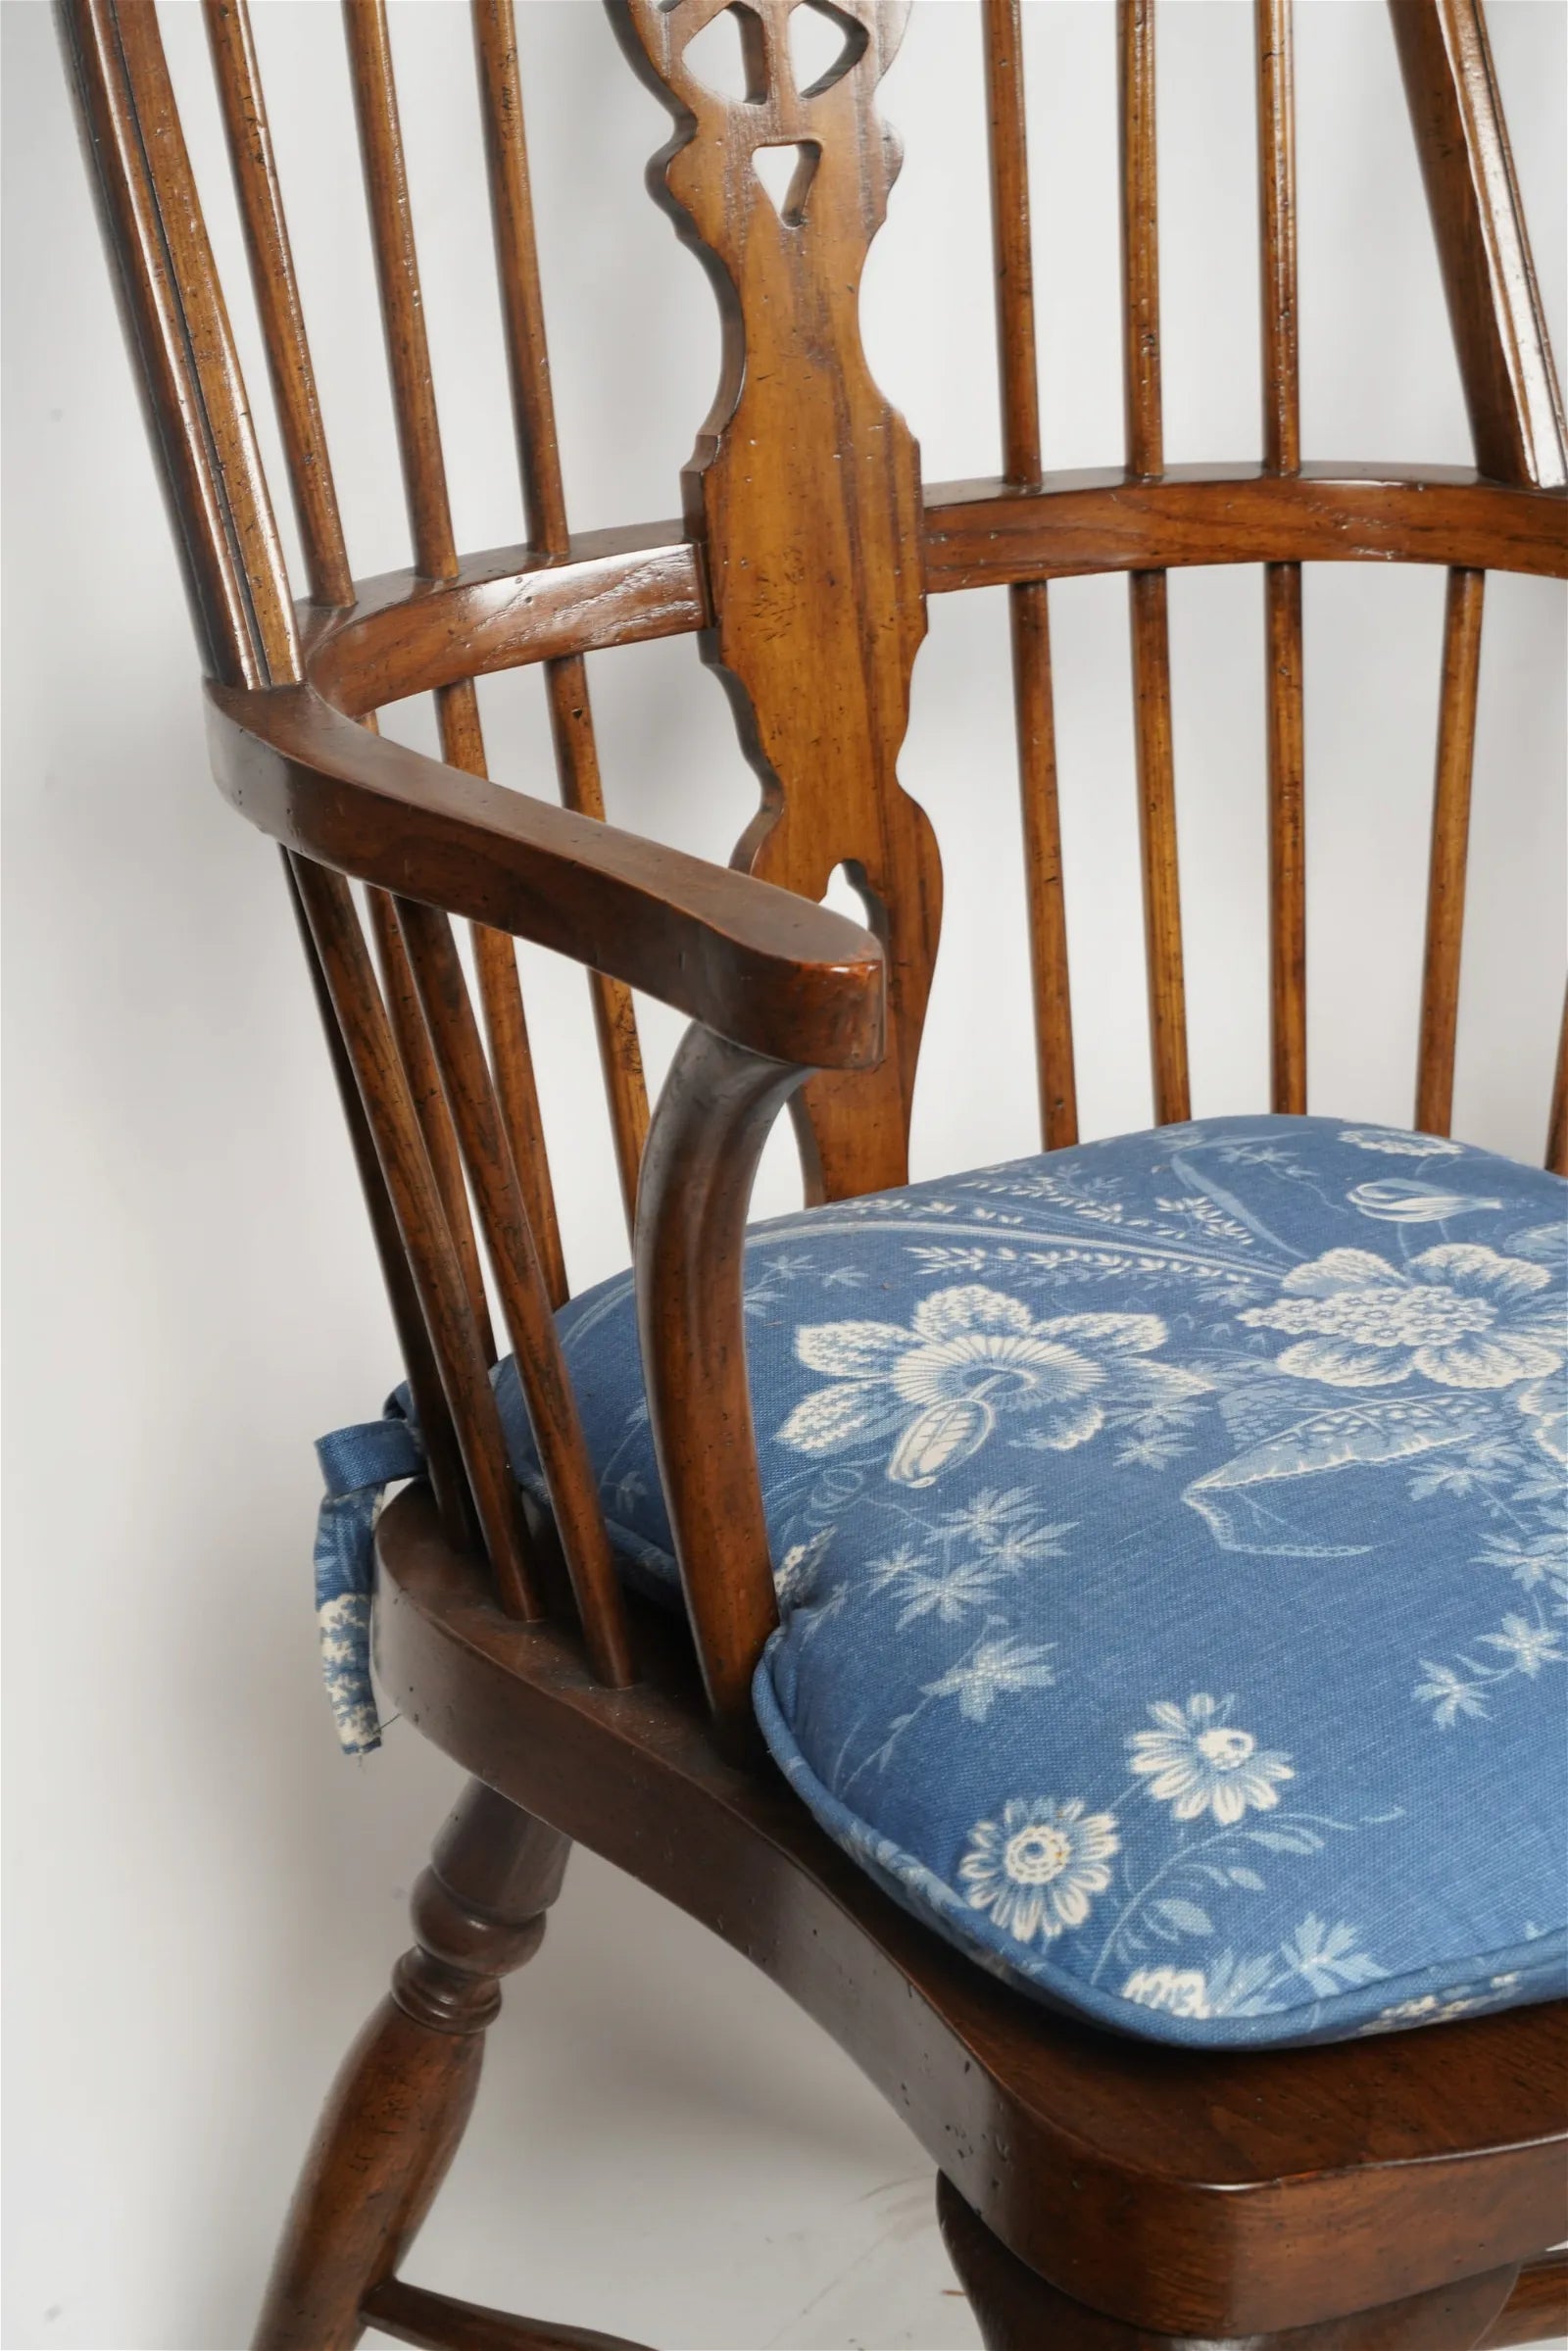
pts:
pixel 203 1898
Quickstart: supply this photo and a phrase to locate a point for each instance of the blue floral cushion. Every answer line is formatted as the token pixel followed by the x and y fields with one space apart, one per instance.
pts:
pixel 1172 1562
pixel 1171 1551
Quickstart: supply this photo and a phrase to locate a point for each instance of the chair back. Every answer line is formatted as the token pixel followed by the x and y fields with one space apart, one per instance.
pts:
pixel 808 549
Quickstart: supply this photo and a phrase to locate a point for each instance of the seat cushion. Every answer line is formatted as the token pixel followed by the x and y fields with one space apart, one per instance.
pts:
pixel 1172 1557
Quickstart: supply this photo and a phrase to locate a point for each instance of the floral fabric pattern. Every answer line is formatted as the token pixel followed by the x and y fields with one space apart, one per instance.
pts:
pixel 1172 1565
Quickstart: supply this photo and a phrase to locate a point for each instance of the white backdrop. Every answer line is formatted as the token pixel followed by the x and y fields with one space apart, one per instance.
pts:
pixel 203 1898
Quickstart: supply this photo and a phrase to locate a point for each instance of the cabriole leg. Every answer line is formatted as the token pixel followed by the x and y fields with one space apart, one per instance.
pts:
pixel 1016 2310
pixel 398 2108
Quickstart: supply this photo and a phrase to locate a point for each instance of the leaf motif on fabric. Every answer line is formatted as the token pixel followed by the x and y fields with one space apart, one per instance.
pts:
pixel 1349 1436
pixel 1183 1917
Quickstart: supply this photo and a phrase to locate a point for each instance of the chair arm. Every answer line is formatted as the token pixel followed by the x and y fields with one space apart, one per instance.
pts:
pixel 770 971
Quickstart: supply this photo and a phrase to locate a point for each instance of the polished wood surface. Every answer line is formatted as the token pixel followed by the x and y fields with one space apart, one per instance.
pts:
pixel 1500 331
pixel 1099 2191
pixel 396 2113
pixel 572 723
pixel 1273 28
pixel 813 562
pixel 1147 598
pixel 1450 843
pixel 1028 610
pixel 639 583
pixel 1017 2311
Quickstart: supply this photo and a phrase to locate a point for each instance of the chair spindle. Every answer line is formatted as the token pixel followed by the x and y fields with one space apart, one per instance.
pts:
pixel 1557 1124
pixel 1150 629
pixel 435 553
pixel 1451 840
pixel 275 289
pixel 406 1013
pixel 1282 582
pixel 525 1303
pixel 1028 613
pixel 544 497
pixel 350 984
pixel 356 1022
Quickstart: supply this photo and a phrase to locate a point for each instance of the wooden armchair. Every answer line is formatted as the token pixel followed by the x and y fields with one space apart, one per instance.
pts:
pixel 1097 2189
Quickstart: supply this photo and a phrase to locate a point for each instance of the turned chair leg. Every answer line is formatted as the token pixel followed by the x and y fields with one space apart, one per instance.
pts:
pixel 1016 2310
pixel 399 2106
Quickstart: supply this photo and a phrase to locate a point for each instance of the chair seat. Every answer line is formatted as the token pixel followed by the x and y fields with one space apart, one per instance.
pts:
pixel 1171 1563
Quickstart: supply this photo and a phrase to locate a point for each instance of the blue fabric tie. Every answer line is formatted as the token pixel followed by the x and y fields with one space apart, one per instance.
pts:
pixel 358 1464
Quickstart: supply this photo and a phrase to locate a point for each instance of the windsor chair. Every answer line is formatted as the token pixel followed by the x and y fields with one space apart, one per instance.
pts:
pixel 1095 2190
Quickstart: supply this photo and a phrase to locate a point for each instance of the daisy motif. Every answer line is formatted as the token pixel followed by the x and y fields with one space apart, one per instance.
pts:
pixel 1458 1314
pixel 971 1354
pixel 1198 1761
pixel 1036 1868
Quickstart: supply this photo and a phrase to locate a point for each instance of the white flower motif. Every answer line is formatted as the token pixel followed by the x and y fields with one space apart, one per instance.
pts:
pixel 972 1353
pixel 1036 1868
pixel 945 1592
pixel 1180 1990
pixel 1527 1647
pixel 995 1669
pixel 1459 1314
pixel 1448 1695
pixel 1196 1761
pixel 988 1516
pixel 1544 1404
pixel 1399 1145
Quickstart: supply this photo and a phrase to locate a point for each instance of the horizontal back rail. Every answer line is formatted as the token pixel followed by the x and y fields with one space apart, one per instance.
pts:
pixel 637 584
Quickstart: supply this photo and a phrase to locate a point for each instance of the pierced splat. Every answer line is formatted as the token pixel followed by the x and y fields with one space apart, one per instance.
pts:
pixel 824 43
pixel 729 55
pixel 804 491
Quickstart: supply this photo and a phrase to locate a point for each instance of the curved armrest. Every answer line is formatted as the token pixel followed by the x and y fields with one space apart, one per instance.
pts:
pixel 770 971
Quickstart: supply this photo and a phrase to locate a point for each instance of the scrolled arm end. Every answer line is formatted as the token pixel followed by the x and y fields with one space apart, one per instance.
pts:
pixel 771 972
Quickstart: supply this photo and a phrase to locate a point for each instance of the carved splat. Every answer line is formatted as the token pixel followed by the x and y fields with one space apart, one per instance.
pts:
pixel 804 491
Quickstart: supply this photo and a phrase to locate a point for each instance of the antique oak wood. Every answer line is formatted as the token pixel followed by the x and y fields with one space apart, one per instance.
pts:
pixel 1378 2195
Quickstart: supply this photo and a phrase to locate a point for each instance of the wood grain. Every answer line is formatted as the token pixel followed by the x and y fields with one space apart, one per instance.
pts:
pixel 545 501
pixel 397 2110
pixel 1017 2311
pixel 1499 332
pixel 1450 842
pixel 786 978
pixel 713 1117
pixel 1282 582
pixel 568 1471
pixel 1537 2310
pixel 1147 591
pixel 1028 615
pixel 805 495
pixel 629 586
pixel 428 1243
pixel 440 2322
